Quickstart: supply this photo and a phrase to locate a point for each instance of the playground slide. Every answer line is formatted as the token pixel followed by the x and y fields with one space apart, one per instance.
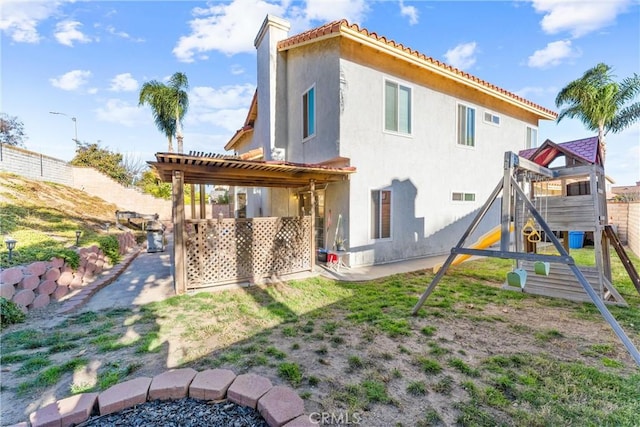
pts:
pixel 488 239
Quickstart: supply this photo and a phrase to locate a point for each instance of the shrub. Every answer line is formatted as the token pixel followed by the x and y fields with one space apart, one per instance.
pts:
pixel 110 247
pixel 10 313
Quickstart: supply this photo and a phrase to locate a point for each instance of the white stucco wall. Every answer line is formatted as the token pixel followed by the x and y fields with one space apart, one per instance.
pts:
pixel 315 65
pixel 421 169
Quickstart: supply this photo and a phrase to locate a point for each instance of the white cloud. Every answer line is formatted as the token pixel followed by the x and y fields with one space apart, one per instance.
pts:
pixel 20 19
pixel 536 91
pixel 122 34
pixel 72 80
pixel 410 12
pixel 228 119
pixel 225 107
pixel 237 69
pixel 122 112
pixel 123 83
pixel 330 10
pixel 67 32
pixel 225 97
pixel 462 56
pixel 578 17
pixel 552 54
pixel 228 28
pixel 231 28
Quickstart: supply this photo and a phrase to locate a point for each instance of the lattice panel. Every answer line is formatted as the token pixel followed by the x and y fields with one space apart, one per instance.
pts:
pixel 228 250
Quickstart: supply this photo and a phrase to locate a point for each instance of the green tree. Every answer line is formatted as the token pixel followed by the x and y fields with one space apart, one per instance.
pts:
pixel 107 162
pixel 150 183
pixel 601 103
pixel 169 104
pixel 11 130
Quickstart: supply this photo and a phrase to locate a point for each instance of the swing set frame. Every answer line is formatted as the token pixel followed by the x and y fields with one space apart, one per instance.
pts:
pixel 515 168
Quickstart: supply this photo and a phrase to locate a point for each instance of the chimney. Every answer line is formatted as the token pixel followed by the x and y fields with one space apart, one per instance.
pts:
pixel 271 76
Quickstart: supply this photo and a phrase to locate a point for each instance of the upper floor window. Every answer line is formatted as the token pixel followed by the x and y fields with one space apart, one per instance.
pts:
pixel 466 126
pixel 491 118
pixel 397 107
pixel 309 113
pixel 532 137
pixel 381 214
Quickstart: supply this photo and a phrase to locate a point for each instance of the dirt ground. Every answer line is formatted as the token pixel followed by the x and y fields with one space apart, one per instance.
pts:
pixel 473 338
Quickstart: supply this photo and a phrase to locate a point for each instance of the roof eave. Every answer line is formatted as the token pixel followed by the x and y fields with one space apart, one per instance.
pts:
pixel 342 29
pixel 436 69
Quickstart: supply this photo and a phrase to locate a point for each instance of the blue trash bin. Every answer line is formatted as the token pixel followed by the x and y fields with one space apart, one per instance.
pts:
pixel 576 239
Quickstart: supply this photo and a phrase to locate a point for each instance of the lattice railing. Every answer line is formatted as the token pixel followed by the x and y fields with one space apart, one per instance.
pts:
pixel 230 250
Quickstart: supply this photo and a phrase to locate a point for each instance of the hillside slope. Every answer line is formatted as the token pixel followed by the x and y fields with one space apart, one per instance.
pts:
pixel 47 214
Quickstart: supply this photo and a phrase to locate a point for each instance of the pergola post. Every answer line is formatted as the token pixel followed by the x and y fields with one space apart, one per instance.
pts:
pixel 179 249
pixel 312 187
pixel 193 200
pixel 203 207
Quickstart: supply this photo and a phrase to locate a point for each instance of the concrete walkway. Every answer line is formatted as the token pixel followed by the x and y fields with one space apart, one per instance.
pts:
pixel 149 278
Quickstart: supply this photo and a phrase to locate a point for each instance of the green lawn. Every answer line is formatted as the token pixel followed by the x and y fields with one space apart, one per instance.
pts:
pixel 475 355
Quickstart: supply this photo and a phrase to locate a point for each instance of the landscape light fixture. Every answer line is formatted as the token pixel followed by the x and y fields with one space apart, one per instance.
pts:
pixel 106 226
pixel 78 233
pixel 11 244
pixel 75 123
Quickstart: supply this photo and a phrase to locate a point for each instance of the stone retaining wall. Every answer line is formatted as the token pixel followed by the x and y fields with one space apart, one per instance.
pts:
pixel 37 284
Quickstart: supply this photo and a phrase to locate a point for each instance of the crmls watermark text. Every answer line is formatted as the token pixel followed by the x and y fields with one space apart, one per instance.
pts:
pixel 335 418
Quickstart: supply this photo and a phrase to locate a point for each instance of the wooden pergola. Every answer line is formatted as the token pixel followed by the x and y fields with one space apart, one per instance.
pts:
pixel 201 168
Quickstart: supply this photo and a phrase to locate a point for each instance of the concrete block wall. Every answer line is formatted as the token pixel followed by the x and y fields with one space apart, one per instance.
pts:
pixel 34 165
pixel 626 217
pixel 128 199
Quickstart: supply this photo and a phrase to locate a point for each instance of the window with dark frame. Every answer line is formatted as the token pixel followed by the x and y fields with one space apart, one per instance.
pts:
pixel 308 113
pixel 466 126
pixel 381 214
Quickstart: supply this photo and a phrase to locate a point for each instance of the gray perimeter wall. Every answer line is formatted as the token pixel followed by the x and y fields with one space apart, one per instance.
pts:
pixel 36 166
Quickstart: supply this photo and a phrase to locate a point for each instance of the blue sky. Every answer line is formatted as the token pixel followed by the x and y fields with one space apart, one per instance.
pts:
pixel 88 59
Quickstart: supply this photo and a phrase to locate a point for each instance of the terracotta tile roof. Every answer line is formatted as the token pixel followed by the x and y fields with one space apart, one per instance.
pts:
pixel 585 149
pixel 252 114
pixel 343 27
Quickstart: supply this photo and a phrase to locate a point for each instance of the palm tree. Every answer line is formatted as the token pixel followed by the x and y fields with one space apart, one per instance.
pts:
pixel 169 103
pixel 600 102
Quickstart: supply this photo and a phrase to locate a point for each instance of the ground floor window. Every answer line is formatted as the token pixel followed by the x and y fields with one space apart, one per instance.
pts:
pixel 463 197
pixel 381 214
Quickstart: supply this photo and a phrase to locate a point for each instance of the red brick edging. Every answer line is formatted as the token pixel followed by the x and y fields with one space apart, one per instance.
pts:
pixel 278 405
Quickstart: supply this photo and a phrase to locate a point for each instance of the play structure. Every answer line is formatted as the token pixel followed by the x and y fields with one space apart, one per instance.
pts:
pixel 548 207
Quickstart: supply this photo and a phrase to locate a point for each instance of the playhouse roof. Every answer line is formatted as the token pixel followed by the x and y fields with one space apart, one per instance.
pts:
pixel 584 150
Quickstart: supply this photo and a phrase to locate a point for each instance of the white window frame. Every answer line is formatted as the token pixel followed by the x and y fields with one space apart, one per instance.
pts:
pixel 492 118
pixel 527 142
pixel 464 197
pixel 305 120
pixel 399 85
pixel 379 219
pixel 475 126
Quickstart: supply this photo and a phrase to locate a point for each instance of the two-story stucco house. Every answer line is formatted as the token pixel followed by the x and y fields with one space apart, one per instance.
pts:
pixel 427 140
